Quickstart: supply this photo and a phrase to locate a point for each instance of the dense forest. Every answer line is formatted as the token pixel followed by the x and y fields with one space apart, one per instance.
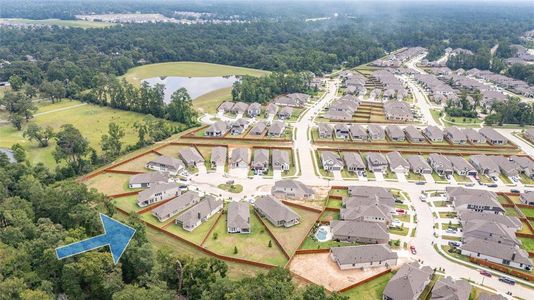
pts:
pixel 38 214
pixel 264 89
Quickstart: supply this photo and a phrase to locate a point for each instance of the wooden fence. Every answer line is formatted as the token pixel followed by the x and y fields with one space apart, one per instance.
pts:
pixel 365 280
pixel 502 268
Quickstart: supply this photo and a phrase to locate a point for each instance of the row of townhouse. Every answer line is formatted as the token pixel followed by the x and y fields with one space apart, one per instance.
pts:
pixel 487 233
pixel 437 89
pixel 393 87
pixel 514 85
pixel 494 165
pixel 353 82
pixel 343 109
pixel 414 135
pixel 221 128
pixel 255 109
pixel 241 108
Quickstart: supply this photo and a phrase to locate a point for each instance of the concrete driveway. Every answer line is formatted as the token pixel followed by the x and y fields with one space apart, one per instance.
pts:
pixel 429 178
pixel 277 174
pixel 401 177
pixel 379 176
pixel 239 172
pixel 219 170
pixel 337 175
pixel 202 169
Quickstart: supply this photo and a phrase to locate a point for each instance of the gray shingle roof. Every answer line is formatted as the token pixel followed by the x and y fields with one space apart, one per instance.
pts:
pixel 199 211
pixel 409 281
pixel 497 250
pixel 239 155
pixel 149 177
pixel 362 254
pixel 176 205
pixel 218 155
pixel 360 229
pixel 169 162
pixel 238 215
pixel 450 289
pixel 275 209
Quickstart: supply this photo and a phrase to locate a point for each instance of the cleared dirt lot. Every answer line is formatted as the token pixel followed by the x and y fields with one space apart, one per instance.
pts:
pixel 322 270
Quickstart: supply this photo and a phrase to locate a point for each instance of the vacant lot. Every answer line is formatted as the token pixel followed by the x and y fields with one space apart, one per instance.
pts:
pixel 209 102
pixel 252 246
pixel 138 164
pixel 128 204
pixel 290 238
pixel 110 183
pixel 187 69
pixel 91 120
pixel 322 270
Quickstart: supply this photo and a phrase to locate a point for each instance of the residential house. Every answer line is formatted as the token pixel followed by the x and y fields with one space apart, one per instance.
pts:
pixel 504 254
pixel 292 189
pixel 342 131
pixel 492 136
pixel 359 231
pixel 455 135
pixel 217 129
pixel 398 110
pixel 376 162
pixel 507 167
pixel 157 192
pixel 238 217
pixel 176 205
pixel 449 289
pixel 353 162
pixel 527 197
pixel 397 163
pixel 167 164
pixel 238 126
pixel 276 129
pixel 191 157
pixel 336 115
pixel 524 164
pixel 280 160
pixel 529 134
pixel 468 215
pixel 364 256
pixel 331 161
pixel 418 164
pixel 433 133
pixel 146 180
pixel 225 107
pixel 357 133
pixel 408 283
pixel 239 158
pixel 485 165
pixel 276 212
pixel 239 108
pixel 254 110
pixel 376 132
pixel 487 296
pixel 218 157
pixel 474 200
pixel 258 129
pixel 395 133
pixel 493 231
pixel 414 135
pixel 368 209
pixel 366 195
pixel 325 130
pixel 285 113
pixel 260 161
pixel 440 164
pixel 461 166
pixel 473 136
pixel 199 213
pixel 294 99
pixel 270 110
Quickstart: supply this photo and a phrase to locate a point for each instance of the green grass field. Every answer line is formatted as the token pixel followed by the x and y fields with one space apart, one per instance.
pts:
pixel 209 102
pixel 91 120
pixel 58 22
pixel 187 69
pixel 371 290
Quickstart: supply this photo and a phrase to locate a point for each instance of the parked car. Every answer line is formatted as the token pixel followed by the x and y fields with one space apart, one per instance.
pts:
pixel 451 230
pixel 412 249
pixel 400 211
pixel 454 244
pixel 507 280
pixel 396 223
pixel 423 198
pixel 493 185
pixel 514 179
pixel 485 273
pixel 494 178
pixel 515 191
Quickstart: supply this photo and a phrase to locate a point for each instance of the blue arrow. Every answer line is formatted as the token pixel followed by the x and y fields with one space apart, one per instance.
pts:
pixel 116 235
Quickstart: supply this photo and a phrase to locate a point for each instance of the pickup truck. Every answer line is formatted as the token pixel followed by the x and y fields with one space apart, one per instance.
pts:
pixel 507 280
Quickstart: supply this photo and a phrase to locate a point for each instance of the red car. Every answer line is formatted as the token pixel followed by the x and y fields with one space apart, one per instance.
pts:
pixel 485 273
pixel 400 210
pixel 412 249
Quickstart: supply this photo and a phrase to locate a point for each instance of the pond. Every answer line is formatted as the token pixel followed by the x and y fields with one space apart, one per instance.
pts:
pixel 195 86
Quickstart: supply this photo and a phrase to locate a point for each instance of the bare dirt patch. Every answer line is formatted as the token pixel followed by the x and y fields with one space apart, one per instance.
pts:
pixel 322 270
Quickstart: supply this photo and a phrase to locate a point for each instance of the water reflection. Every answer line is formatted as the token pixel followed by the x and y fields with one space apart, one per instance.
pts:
pixel 196 86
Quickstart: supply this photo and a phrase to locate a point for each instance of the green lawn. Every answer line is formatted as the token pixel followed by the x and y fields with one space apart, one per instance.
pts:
pixel 330 215
pixel 311 243
pixel 451 238
pixel 334 203
pixel 510 211
pixel 197 235
pixel 232 188
pixel 187 69
pixel 371 290
pixel 339 192
pixel 209 102
pixel 399 231
pixel 110 183
pixel 529 212
pixel 414 177
pixel 91 120
pixel 65 23
pixel 450 214
pixel 440 203
pixel 252 246
pixel 129 204
pixel 528 244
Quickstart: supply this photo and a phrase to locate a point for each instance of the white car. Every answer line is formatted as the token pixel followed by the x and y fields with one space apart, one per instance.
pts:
pixel 396 223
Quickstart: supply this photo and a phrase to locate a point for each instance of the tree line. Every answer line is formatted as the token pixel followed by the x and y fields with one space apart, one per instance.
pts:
pixel 513 111
pixel 264 89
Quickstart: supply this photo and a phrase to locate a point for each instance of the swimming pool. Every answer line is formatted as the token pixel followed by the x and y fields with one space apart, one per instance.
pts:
pixel 323 234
